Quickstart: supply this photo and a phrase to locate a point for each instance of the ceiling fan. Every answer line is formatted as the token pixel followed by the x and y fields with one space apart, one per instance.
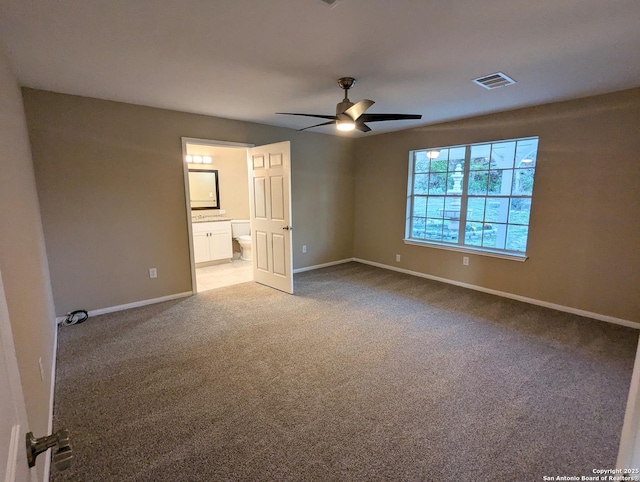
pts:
pixel 351 116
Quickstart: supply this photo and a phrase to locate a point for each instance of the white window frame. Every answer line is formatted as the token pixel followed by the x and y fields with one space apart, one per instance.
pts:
pixel 459 246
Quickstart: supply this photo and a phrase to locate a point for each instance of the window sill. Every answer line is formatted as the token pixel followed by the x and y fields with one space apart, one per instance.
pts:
pixel 466 249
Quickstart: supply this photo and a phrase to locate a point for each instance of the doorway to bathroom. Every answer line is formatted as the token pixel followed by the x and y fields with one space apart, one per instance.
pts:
pixel 216 179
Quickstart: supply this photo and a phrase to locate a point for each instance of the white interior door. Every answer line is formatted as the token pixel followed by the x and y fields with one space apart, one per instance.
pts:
pixel 270 200
pixel 13 418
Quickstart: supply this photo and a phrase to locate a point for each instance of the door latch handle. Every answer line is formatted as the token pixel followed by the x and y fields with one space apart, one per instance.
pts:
pixel 288 228
pixel 63 454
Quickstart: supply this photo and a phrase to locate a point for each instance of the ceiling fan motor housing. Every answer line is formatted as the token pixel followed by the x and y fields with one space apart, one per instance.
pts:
pixel 342 106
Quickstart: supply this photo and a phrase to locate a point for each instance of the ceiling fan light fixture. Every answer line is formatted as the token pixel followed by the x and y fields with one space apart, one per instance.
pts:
pixel 433 153
pixel 345 125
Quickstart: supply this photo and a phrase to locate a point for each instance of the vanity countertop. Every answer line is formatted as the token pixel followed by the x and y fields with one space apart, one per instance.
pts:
pixel 212 219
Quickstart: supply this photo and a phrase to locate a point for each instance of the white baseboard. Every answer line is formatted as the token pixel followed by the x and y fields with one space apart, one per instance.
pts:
pixel 323 265
pixel 135 304
pixel 504 294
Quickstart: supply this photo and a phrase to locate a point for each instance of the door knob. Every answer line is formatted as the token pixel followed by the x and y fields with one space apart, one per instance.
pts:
pixel 288 228
pixel 63 455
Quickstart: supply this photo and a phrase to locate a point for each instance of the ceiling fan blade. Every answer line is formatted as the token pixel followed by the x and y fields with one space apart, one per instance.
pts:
pixel 361 126
pixel 320 116
pixel 317 125
pixel 388 117
pixel 359 108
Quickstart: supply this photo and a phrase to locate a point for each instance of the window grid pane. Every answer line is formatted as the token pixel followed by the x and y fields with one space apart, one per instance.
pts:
pixel 498 180
pixel 420 205
pixel 444 194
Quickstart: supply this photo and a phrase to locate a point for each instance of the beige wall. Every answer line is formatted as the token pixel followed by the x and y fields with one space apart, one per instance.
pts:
pixel 584 242
pixel 111 186
pixel 23 261
pixel 231 164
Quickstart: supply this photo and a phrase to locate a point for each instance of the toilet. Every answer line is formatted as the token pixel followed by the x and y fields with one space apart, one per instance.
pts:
pixel 241 232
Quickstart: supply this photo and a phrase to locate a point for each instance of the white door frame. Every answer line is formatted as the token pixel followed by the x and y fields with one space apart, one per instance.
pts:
pixel 185 168
pixel 16 464
pixel 629 449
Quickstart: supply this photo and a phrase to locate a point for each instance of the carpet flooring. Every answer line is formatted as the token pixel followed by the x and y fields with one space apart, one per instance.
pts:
pixel 363 374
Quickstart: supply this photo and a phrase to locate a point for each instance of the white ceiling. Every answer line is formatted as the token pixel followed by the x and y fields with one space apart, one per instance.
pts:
pixel 247 59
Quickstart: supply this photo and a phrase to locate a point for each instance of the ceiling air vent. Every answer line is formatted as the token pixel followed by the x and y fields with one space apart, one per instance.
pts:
pixel 493 81
pixel 331 3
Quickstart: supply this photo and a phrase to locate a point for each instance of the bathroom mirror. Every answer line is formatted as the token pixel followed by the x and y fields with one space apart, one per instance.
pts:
pixel 203 189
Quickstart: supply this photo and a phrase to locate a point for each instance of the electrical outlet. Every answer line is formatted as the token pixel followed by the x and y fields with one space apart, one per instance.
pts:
pixel 153 273
pixel 465 260
pixel 304 248
pixel 222 211
pixel 397 258
pixel 41 369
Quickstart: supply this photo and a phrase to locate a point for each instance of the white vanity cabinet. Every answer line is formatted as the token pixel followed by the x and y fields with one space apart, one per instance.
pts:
pixel 212 241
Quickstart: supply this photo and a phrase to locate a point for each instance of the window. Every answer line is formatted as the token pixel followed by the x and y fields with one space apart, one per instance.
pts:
pixel 474 197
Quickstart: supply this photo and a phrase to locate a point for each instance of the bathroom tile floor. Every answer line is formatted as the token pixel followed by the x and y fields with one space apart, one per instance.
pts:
pixel 219 275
